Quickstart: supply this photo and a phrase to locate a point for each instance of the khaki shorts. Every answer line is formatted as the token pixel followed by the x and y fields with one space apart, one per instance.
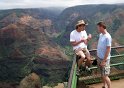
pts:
pixel 104 70
pixel 82 53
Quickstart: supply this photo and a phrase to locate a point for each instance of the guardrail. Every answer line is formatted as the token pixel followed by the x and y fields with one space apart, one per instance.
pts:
pixel 72 82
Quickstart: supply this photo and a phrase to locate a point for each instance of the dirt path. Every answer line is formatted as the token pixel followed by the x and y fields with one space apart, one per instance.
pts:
pixel 115 84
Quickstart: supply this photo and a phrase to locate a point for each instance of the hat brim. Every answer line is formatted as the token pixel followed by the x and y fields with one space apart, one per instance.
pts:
pixel 81 24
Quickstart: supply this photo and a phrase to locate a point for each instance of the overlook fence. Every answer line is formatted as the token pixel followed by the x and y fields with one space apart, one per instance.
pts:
pixel 117 69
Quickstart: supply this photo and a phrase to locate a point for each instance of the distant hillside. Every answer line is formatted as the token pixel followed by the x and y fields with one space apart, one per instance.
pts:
pixel 37 40
pixel 26 46
pixel 113 15
pixel 45 16
pixel 55 10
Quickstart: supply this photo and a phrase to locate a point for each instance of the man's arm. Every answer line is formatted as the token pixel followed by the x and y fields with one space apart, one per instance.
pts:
pixel 103 63
pixel 108 48
pixel 76 43
pixel 89 37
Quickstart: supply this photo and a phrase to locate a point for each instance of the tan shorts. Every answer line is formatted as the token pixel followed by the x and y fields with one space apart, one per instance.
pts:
pixel 82 52
pixel 104 70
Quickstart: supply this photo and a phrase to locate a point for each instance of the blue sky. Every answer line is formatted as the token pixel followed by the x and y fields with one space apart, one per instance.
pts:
pixel 9 4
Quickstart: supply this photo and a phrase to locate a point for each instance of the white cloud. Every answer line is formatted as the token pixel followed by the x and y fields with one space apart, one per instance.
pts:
pixel 8 4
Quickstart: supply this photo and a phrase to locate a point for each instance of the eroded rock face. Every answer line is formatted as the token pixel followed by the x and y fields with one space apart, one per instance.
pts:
pixel 21 38
pixel 31 81
pixel 25 35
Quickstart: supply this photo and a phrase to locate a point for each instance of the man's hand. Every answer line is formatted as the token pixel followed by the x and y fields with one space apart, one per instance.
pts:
pixel 74 43
pixel 103 63
pixel 82 40
pixel 89 36
pixel 85 41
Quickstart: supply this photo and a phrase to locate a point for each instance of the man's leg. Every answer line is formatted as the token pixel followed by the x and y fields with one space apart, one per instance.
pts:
pixel 103 81
pixel 102 71
pixel 80 61
pixel 107 81
pixel 105 73
pixel 80 58
pixel 88 61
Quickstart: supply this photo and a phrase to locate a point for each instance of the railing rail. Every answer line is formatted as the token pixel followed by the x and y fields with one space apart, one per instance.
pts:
pixel 71 77
pixel 72 82
pixel 117 47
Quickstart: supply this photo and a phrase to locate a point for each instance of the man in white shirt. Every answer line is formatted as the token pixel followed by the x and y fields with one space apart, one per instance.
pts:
pixel 103 53
pixel 79 39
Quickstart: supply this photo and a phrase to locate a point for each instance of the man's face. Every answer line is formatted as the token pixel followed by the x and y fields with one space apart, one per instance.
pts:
pixel 99 29
pixel 81 27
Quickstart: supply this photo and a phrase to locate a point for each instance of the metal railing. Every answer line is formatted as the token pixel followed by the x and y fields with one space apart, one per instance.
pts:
pixel 117 65
pixel 72 82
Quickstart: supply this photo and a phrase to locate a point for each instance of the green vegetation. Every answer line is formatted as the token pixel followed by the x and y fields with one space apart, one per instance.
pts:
pixel 13 71
pixel 116 24
pixel 120 39
pixel 69 51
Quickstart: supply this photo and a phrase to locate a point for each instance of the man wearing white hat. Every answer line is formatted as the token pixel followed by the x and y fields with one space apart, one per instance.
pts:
pixel 79 40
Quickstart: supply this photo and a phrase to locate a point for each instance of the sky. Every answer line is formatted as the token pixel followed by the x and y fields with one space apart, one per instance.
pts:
pixel 10 4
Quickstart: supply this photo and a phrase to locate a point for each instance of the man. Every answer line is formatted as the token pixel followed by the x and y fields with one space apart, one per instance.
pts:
pixel 79 39
pixel 103 53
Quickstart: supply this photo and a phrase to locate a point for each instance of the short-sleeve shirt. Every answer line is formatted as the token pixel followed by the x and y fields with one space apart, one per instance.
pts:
pixel 104 41
pixel 77 36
